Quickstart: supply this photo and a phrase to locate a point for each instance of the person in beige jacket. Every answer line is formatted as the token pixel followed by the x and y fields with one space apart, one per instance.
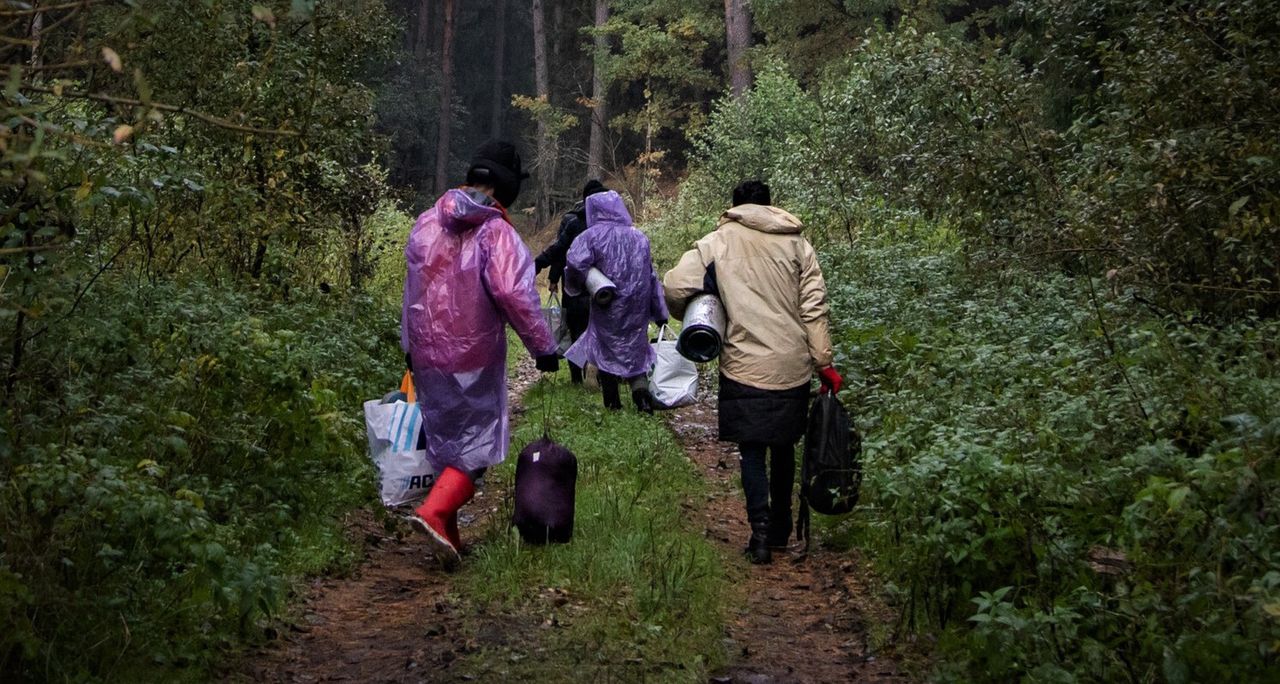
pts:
pixel 767 275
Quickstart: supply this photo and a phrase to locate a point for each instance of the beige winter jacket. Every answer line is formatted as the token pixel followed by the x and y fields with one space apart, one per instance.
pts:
pixel 773 293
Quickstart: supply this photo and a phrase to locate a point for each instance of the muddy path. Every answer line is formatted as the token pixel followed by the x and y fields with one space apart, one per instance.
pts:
pixel 805 619
pixel 397 618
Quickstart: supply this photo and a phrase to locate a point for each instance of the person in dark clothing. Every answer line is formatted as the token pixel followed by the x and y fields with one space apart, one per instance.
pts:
pixel 577 308
pixel 776 339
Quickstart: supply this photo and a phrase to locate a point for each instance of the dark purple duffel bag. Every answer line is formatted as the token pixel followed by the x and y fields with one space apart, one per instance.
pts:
pixel 546 476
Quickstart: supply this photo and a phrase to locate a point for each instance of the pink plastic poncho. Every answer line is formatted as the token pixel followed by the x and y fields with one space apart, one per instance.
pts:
pixel 468 275
pixel 617 339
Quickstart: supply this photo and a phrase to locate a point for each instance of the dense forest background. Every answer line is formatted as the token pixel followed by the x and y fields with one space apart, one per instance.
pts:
pixel 1049 227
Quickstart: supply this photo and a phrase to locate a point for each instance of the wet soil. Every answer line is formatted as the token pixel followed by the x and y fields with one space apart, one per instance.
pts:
pixel 397 618
pixel 805 619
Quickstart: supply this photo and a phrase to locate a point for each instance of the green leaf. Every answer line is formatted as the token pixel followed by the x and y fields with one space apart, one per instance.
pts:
pixel 1237 205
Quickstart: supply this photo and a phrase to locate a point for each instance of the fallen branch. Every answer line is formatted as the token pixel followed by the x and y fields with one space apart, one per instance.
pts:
pixel 34 248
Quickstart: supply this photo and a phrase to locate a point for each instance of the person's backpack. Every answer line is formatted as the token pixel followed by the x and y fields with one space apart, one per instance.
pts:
pixel 546 480
pixel 831 470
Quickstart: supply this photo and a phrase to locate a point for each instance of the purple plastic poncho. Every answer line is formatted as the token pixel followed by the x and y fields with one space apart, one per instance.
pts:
pixel 617 339
pixel 468 275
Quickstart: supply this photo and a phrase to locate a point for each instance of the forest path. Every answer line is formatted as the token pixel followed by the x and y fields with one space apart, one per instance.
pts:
pixel 805 619
pixel 398 618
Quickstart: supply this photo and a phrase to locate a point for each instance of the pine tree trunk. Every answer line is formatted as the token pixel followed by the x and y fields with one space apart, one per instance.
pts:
pixel 446 99
pixel 737 21
pixel 499 69
pixel 599 113
pixel 541 84
pixel 557 29
pixel 35 34
pixel 422 39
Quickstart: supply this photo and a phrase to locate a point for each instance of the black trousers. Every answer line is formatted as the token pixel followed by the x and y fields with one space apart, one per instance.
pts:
pixel 768 492
pixel 609 388
pixel 577 313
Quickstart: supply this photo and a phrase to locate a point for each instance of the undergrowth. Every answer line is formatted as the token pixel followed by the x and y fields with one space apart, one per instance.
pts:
pixel 1068 486
pixel 198 455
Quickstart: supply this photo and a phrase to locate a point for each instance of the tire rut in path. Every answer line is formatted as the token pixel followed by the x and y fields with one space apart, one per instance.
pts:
pixel 805 621
pixel 397 618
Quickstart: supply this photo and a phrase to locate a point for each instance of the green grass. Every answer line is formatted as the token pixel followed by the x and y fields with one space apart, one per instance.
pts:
pixel 638 593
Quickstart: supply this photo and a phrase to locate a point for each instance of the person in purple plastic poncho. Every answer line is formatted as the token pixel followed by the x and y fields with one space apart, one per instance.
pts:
pixel 617 339
pixel 469 275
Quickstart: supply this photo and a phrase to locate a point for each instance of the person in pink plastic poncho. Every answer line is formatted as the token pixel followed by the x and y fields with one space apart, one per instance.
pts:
pixel 469 275
pixel 617 340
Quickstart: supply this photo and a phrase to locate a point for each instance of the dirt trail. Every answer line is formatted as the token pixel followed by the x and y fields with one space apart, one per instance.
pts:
pixel 806 620
pixel 399 619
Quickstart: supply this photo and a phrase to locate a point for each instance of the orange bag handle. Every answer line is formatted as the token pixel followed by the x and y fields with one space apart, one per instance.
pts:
pixel 406 386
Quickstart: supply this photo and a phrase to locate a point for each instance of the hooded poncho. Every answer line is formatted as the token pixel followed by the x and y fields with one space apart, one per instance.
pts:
pixel 468 275
pixel 617 339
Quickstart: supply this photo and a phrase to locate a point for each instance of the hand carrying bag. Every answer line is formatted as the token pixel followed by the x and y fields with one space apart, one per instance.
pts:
pixel 673 382
pixel 554 315
pixel 393 427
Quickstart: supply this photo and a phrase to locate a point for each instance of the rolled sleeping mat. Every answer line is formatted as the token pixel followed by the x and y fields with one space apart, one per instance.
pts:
pixel 601 288
pixel 702 335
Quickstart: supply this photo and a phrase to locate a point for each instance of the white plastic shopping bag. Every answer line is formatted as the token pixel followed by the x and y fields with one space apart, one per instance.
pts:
pixel 673 382
pixel 403 469
pixel 554 315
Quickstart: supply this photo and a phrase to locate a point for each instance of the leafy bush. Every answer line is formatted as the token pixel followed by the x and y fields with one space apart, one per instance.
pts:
pixel 1056 143
pixel 1076 492
pixel 191 451
pixel 1172 166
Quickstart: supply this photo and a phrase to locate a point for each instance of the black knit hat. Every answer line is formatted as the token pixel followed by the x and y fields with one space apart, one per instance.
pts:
pixel 751 192
pixel 592 187
pixel 497 163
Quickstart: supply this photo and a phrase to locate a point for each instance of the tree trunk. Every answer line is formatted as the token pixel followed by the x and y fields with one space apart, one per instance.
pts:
pixel 499 69
pixel 737 21
pixel 422 39
pixel 541 83
pixel 557 29
pixel 446 99
pixel 37 28
pixel 599 113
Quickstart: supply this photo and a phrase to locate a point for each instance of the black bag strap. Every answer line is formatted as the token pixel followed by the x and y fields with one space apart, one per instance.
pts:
pixel 803 515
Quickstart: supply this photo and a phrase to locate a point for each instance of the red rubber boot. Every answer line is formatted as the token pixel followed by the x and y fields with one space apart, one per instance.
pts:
pixel 451 490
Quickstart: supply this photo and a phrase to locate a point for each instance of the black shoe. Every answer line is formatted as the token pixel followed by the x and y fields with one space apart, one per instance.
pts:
pixel 758 546
pixel 643 400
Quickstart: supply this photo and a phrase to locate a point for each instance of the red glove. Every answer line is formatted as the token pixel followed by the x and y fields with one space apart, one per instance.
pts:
pixel 830 379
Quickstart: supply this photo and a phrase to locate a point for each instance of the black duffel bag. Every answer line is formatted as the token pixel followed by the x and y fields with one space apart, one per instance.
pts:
pixel 546 480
